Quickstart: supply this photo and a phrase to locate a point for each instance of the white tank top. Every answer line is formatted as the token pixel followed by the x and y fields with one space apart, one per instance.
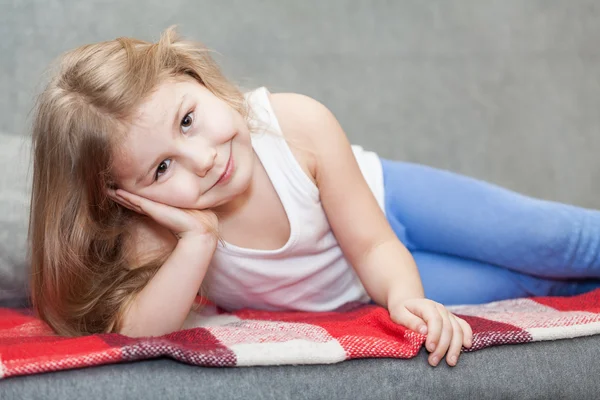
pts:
pixel 310 272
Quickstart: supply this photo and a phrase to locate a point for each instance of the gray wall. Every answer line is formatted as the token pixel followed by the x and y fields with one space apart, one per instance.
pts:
pixel 506 91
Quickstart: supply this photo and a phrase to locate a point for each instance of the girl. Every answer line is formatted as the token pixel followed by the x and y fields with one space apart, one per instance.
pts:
pixel 154 175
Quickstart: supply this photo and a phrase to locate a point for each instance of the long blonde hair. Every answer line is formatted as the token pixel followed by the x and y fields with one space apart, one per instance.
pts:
pixel 81 280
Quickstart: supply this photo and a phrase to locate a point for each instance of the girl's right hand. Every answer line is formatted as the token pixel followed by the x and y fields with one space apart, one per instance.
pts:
pixel 182 222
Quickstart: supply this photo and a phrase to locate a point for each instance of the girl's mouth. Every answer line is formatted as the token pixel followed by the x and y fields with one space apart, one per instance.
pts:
pixel 229 169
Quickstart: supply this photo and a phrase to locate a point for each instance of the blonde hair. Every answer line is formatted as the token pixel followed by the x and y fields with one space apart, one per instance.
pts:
pixel 81 280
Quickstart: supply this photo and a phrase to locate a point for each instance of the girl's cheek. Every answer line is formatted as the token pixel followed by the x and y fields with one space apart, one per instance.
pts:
pixel 178 193
pixel 220 126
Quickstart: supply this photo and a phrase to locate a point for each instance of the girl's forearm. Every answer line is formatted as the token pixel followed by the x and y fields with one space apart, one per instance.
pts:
pixel 164 303
pixel 389 271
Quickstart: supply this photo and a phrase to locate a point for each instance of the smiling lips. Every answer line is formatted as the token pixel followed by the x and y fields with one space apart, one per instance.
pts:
pixel 229 168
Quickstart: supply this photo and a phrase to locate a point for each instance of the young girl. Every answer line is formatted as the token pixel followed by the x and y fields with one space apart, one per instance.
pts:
pixel 154 176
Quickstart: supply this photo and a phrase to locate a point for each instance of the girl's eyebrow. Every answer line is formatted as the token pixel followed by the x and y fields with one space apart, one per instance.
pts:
pixel 174 129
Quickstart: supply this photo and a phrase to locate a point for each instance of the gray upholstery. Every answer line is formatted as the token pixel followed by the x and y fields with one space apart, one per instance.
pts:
pixel 503 90
pixel 14 213
pixel 566 369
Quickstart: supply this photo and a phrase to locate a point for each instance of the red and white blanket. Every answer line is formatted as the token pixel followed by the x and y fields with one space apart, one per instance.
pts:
pixel 248 337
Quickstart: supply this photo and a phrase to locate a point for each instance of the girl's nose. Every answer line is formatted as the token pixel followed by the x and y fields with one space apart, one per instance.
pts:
pixel 203 161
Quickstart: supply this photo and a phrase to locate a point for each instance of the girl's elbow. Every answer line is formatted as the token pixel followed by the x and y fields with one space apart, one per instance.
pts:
pixel 133 330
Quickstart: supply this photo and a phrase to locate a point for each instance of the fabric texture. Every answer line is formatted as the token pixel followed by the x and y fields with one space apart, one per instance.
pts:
pixel 14 214
pixel 475 242
pixel 503 90
pixel 559 369
pixel 309 272
pixel 213 337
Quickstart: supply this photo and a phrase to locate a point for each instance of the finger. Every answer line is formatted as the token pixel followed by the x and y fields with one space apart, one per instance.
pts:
pixel 405 318
pixel 445 338
pixel 467 332
pixel 130 198
pixel 155 210
pixel 113 195
pixel 122 201
pixel 455 343
pixel 172 218
pixel 433 319
pixel 177 220
pixel 130 206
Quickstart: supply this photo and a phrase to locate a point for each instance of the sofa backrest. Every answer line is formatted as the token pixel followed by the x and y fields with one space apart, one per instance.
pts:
pixel 14 214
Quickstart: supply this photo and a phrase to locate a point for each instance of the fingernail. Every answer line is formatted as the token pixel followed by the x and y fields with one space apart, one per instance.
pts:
pixel 423 330
pixel 435 360
pixel 453 360
pixel 431 347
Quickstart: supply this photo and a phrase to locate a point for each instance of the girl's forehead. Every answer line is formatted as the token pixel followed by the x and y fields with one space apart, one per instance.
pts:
pixel 158 103
pixel 163 102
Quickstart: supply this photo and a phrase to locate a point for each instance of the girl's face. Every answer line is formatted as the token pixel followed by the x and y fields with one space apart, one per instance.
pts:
pixel 186 148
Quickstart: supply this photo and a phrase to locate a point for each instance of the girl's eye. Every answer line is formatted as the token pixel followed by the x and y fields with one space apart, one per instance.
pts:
pixel 162 168
pixel 187 121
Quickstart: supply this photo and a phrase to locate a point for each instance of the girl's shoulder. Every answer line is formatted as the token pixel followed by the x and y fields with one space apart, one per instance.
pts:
pixel 298 111
pixel 301 119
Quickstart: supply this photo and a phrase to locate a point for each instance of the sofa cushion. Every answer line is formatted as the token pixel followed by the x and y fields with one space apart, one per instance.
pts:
pixel 555 369
pixel 14 214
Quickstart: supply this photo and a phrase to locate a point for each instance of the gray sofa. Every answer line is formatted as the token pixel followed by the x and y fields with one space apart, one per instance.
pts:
pixel 506 91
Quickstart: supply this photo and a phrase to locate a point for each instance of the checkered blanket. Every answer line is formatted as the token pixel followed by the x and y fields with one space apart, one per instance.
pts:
pixel 213 337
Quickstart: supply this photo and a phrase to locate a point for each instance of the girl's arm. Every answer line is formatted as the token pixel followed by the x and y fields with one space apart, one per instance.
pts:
pixel 383 264
pixel 366 238
pixel 163 304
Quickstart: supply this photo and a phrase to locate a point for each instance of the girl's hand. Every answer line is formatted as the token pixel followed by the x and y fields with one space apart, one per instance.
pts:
pixel 182 222
pixel 446 333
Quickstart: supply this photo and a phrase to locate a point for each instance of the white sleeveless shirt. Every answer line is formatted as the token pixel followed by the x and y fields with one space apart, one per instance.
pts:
pixel 310 272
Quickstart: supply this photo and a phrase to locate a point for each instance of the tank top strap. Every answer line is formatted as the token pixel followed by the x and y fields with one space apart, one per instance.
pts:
pixel 287 176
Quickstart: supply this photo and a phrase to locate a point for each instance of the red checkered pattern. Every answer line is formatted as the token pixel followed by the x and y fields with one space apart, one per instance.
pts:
pixel 213 337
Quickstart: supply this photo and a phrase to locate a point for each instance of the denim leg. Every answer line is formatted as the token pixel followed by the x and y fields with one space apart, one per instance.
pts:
pixel 441 212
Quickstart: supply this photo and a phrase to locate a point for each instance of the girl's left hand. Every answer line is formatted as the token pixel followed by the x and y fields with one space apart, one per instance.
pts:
pixel 446 333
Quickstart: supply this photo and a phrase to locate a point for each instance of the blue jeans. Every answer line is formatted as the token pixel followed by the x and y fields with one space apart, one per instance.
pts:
pixel 475 242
